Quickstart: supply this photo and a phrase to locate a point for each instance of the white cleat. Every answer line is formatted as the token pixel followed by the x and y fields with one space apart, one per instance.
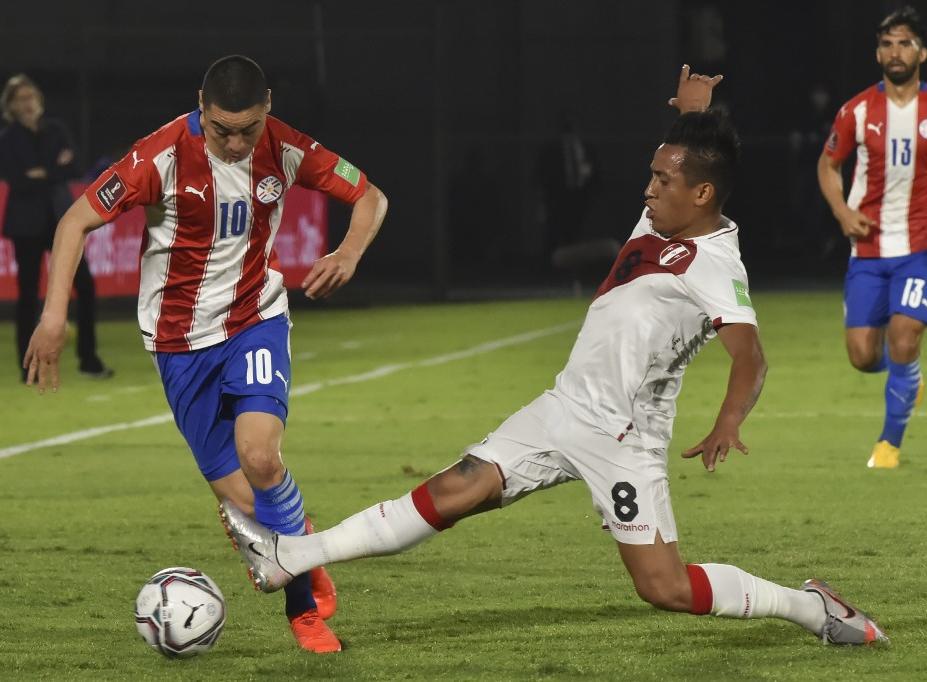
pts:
pixel 257 546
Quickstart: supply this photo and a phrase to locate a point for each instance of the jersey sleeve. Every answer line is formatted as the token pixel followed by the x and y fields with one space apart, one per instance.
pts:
pixel 842 139
pixel 720 289
pixel 132 181
pixel 327 172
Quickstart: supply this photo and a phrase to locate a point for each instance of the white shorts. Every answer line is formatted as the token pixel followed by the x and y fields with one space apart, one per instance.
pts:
pixel 544 444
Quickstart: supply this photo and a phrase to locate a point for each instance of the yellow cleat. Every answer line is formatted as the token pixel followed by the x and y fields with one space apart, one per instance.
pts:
pixel 884 456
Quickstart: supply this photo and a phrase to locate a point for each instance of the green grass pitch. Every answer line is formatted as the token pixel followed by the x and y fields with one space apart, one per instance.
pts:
pixel 533 592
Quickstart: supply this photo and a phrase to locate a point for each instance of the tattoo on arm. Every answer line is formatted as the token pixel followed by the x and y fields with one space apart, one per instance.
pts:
pixel 469 464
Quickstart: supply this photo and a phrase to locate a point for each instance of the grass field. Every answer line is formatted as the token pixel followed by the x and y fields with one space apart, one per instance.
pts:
pixel 535 591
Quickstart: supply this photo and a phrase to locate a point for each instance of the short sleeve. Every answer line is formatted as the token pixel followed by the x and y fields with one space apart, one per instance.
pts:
pixel 719 288
pixel 327 172
pixel 132 181
pixel 842 139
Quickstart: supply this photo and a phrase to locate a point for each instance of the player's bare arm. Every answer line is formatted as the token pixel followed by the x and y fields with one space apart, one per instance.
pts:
pixel 47 342
pixel 852 223
pixel 748 371
pixel 331 272
pixel 694 91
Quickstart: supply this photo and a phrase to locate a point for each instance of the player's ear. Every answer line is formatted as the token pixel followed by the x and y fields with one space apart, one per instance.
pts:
pixel 267 102
pixel 705 194
pixel 922 54
pixel 199 99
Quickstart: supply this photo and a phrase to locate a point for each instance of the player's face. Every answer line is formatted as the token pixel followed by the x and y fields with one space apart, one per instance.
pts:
pixel 232 135
pixel 900 54
pixel 26 105
pixel 672 204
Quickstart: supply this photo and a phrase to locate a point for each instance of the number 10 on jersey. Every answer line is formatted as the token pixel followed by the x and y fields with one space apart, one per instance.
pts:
pixel 239 215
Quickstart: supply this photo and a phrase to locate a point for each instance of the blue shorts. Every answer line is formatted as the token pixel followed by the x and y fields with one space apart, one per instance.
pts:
pixel 877 288
pixel 208 388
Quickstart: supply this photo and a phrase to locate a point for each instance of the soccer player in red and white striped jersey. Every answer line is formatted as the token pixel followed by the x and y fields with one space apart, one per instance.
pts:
pixel 885 218
pixel 212 306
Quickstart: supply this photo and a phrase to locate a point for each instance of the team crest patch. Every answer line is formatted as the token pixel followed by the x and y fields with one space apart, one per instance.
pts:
pixel 269 189
pixel 673 254
pixel 111 192
pixel 832 141
pixel 922 128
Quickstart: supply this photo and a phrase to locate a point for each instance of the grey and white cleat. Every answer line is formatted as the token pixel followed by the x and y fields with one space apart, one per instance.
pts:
pixel 845 623
pixel 257 546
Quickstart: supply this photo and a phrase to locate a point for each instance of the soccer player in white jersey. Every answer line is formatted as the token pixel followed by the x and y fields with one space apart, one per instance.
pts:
pixel 212 307
pixel 885 219
pixel 677 283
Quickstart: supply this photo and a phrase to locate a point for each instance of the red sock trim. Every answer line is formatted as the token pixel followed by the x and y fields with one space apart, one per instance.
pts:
pixel 702 598
pixel 425 506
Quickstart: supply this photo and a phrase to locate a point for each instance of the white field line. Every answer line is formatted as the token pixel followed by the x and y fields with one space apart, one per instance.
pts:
pixel 384 370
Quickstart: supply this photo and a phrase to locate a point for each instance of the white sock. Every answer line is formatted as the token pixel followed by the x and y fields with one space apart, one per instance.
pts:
pixel 737 594
pixel 385 528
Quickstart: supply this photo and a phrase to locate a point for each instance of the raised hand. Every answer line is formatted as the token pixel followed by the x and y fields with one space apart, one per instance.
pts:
pixel 694 91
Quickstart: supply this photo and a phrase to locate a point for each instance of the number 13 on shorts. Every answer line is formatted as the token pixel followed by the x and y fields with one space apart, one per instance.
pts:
pixel 913 294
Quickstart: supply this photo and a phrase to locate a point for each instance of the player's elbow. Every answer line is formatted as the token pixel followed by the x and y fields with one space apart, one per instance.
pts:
pixel 376 197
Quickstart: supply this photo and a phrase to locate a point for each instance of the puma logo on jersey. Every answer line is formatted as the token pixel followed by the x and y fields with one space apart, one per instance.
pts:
pixel 313 146
pixel 876 127
pixel 201 193
pixel 280 376
pixel 135 159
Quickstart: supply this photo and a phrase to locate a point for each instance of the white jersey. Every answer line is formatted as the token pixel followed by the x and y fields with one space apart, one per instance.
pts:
pixel 663 300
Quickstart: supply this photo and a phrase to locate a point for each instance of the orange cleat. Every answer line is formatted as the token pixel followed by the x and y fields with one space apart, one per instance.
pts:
pixel 312 634
pixel 323 588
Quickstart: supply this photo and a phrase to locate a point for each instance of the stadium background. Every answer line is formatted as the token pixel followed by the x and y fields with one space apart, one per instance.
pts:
pixel 98 488
pixel 449 105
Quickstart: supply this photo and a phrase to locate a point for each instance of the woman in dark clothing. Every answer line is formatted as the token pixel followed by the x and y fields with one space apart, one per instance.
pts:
pixel 36 159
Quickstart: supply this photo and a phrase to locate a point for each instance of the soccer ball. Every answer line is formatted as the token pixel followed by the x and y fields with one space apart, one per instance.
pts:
pixel 180 612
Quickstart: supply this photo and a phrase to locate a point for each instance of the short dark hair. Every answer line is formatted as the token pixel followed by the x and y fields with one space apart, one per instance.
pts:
pixel 712 149
pixel 906 16
pixel 234 83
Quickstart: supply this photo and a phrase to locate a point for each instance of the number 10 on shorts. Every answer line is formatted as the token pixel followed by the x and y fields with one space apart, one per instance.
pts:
pixel 913 293
pixel 259 366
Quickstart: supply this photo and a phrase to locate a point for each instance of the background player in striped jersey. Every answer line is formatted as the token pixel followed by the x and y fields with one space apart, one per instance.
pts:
pixel 212 306
pixel 885 218
pixel 677 283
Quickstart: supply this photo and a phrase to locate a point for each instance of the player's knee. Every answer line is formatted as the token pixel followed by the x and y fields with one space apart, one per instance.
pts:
pixel 862 357
pixel 470 486
pixel 262 466
pixel 662 593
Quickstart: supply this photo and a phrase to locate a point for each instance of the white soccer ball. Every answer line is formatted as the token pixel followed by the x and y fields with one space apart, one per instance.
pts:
pixel 180 612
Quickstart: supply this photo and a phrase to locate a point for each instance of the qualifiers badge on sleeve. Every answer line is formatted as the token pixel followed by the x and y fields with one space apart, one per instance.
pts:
pixel 269 190
pixel 111 192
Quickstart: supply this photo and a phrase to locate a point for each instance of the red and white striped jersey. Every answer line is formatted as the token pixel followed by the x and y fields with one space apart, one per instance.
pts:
pixel 890 180
pixel 208 269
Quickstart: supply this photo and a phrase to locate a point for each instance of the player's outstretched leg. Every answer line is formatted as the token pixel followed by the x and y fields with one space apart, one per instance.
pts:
pixel 845 623
pixel 469 487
